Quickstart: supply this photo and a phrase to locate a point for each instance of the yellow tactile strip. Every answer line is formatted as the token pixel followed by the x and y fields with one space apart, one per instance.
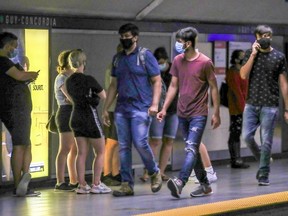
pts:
pixel 225 206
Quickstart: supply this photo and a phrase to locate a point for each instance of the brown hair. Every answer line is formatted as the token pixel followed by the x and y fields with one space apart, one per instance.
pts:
pixel 63 60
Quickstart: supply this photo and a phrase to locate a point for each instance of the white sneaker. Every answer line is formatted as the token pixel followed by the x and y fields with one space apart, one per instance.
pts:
pixel 192 177
pixel 83 189
pixel 100 189
pixel 212 177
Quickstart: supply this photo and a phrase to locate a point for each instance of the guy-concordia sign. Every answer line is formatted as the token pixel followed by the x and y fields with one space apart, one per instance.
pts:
pixel 28 20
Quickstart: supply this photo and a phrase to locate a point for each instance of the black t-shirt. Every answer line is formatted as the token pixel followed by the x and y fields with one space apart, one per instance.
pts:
pixel 83 90
pixel 263 87
pixel 13 93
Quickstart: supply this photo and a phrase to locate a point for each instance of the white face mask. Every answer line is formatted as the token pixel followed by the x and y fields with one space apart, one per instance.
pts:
pixel 179 47
pixel 162 67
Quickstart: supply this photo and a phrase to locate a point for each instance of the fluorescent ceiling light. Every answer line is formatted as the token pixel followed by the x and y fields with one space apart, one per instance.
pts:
pixel 148 9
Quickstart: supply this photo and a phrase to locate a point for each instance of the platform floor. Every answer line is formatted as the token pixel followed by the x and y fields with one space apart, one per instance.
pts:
pixel 232 184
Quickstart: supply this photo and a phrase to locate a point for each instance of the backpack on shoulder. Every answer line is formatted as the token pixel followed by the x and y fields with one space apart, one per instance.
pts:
pixel 141 59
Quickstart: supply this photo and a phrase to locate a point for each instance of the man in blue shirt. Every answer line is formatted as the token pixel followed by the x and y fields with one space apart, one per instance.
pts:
pixel 137 83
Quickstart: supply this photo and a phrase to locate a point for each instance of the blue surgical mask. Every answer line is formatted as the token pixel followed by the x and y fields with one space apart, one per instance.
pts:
pixel 162 67
pixel 179 47
pixel 12 54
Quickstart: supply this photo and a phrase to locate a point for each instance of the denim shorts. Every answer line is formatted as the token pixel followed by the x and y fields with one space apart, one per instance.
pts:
pixel 167 128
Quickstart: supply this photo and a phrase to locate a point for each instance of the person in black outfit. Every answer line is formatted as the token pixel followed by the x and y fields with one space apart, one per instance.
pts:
pixel 85 92
pixel 15 111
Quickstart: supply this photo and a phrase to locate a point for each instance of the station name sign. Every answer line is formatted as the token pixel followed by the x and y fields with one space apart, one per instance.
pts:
pixel 28 20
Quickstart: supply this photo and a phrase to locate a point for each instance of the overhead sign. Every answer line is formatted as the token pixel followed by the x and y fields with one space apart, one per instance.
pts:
pixel 28 20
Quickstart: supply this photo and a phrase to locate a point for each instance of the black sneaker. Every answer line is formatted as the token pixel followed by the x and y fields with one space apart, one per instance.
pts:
pixel 263 181
pixel 239 165
pixel 74 186
pixel 63 187
pixel 110 181
pixel 175 185
pixel 117 178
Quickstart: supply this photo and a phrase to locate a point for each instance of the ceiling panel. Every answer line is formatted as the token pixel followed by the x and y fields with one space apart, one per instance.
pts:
pixel 218 11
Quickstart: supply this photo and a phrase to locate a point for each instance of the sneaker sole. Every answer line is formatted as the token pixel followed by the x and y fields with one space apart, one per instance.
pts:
pixel 173 188
pixel 82 192
pixel 35 194
pixel 263 184
pixel 62 190
pixel 121 195
pixel 201 195
pixel 154 190
pixel 23 184
pixel 100 192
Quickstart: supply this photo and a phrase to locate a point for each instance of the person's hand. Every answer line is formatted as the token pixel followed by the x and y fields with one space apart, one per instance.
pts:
pixel 161 115
pixel 152 111
pixel 106 119
pixel 286 117
pixel 215 121
pixel 255 47
pixel 34 75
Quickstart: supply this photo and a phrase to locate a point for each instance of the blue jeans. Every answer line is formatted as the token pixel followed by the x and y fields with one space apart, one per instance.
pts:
pixel 192 130
pixel 265 117
pixel 134 127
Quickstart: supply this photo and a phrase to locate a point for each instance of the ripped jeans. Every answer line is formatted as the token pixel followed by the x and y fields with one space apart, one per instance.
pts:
pixel 192 131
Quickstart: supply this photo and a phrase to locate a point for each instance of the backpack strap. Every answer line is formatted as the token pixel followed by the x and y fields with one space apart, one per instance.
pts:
pixel 141 56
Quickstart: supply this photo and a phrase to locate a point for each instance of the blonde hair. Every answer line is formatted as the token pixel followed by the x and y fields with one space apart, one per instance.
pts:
pixel 76 59
pixel 63 60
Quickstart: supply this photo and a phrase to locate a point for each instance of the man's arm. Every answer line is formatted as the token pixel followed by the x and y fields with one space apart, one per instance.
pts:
pixel 111 94
pixel 21 75
pixel 171 93
pixel 284 90
pixel 156 83
pixel 245 69
pixel 215 120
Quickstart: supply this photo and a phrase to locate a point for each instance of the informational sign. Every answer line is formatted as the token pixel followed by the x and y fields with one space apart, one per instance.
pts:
pixel 220 53
pixel 37 51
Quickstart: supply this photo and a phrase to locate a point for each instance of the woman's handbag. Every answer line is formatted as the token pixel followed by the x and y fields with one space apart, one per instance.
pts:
pixel 51 124
pixel 223 94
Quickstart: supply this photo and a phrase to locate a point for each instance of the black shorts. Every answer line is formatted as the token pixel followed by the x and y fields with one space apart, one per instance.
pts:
pixel 18 123
pixel 110 132
pixel 85 122
pixel 63 115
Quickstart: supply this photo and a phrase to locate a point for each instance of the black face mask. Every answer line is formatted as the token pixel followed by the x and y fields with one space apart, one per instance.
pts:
pixel 126 43
pixel 264 43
